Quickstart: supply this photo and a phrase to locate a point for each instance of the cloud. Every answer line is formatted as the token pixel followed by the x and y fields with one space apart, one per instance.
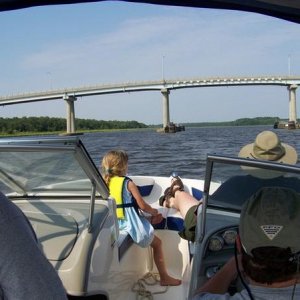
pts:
pixel 185 40
pixel 193 42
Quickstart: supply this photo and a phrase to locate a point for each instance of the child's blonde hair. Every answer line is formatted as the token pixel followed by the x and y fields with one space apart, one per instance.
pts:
pixel 114 163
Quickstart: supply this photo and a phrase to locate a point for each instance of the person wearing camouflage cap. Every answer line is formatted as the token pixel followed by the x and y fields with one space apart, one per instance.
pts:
pixel 269 250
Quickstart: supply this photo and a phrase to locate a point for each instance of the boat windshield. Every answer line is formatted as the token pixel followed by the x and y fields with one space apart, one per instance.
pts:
pixel 47 166
pixel 241 178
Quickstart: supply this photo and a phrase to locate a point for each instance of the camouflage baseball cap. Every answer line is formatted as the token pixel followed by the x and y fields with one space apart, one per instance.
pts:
pixel 271 217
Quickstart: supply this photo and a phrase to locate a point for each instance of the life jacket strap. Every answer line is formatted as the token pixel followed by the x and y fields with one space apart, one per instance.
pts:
pixel 126 205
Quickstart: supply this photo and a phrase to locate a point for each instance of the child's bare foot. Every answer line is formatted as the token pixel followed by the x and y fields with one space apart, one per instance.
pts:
pixel 168 280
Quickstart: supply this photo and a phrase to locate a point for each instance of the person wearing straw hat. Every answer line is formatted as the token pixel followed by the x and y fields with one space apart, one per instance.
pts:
pixel 267 146
pixel 267 250
pixel 237 189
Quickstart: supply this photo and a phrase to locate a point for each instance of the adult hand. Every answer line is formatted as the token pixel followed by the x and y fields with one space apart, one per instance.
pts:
pixel 220 282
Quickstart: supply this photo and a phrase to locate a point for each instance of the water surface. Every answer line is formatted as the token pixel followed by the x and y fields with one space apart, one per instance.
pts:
pixel 152 153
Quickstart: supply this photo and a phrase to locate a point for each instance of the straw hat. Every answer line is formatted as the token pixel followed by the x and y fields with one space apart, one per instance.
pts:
pixel 267 146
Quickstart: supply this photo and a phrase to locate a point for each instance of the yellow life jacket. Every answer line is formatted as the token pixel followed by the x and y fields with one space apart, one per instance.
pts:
pixel 116 189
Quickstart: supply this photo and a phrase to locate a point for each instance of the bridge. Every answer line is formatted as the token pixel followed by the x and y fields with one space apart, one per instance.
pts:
pixel 70 95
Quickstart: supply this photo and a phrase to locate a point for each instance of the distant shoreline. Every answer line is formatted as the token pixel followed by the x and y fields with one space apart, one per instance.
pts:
pixel 17 126
pixel 63 133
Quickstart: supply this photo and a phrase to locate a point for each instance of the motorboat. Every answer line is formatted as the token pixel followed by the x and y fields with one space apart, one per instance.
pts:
pixel 56 184
pixel 60 190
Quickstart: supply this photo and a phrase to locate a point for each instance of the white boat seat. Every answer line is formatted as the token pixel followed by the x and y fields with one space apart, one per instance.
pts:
pixel 144 184
pixel 57 233
pixel 124 242
pixel 62 231
pixel 58 226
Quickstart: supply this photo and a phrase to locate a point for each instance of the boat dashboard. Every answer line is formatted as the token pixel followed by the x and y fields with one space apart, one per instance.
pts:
pixel 218 244
pixel 215 251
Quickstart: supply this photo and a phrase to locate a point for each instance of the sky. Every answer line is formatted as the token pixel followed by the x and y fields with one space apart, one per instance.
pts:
pixel 64 46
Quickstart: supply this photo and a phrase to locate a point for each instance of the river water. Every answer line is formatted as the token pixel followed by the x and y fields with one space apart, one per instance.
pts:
pixel 152 153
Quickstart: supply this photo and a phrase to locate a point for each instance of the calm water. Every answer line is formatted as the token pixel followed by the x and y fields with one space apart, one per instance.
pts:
pixel 152 153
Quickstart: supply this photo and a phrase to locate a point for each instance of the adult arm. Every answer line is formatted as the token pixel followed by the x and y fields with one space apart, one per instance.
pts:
pixel 221 281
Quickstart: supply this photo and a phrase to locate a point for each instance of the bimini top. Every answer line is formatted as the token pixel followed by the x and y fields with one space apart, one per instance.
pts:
pixel 288 10
pixel 48 166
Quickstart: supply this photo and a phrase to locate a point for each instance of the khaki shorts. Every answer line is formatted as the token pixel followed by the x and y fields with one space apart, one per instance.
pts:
pixel 190 220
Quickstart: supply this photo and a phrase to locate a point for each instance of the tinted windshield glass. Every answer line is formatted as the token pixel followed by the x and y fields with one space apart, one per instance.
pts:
pixel 239 183
pixel 29 171
pixel 34 170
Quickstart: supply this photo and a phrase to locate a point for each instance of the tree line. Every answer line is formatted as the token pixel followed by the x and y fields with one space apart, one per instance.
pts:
pixel 47 124
pixel 238 122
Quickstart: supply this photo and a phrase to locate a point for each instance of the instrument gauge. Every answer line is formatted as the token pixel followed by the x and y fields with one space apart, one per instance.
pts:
pixel 215 243
pixel 229 236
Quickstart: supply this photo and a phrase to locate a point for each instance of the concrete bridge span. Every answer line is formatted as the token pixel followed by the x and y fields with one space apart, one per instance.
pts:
pixel 164 86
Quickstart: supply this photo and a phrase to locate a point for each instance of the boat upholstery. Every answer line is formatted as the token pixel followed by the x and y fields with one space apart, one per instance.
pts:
pixel 63 233
pixel 145 185
pixel 198 194
pixel 57 233
pixel 124 242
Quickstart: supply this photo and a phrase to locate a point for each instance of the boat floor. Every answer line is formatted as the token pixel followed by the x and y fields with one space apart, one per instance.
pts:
pixel 176 255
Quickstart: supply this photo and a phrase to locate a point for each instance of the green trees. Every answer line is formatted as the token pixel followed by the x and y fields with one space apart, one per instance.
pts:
pixel 46 124
pixel 238 122
pixel 33 125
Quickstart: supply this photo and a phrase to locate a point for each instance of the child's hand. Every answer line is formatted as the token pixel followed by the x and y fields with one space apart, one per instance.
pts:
pixel 154 211
pixel 156 219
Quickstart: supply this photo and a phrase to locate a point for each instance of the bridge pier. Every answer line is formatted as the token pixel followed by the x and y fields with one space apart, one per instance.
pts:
pixel 166 108
pixel 70 113
pixel 292 103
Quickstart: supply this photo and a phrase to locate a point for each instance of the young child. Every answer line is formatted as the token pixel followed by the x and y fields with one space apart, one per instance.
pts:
pixel 126 193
